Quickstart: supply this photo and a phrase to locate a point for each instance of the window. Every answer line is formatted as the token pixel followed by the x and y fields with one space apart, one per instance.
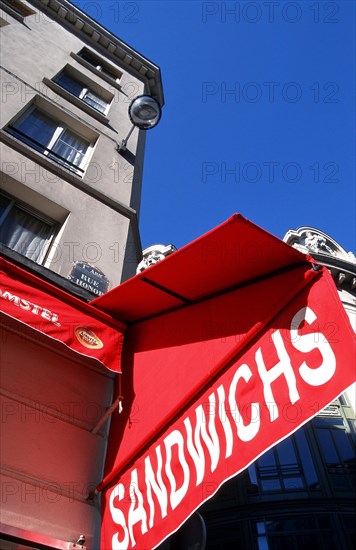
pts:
pixel 51 138
pixel 337 450
pixel 98 64
pixel 81 90
pixel 279 533
pixel 287 467
pixel 25 230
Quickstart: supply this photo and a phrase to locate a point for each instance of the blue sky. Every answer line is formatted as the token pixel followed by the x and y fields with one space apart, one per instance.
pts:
pixel 259 114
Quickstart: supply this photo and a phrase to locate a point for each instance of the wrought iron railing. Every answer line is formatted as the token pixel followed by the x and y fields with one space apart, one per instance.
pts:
pixel 44 150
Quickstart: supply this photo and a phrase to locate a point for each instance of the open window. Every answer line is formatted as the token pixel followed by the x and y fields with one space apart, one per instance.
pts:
pixel 99 66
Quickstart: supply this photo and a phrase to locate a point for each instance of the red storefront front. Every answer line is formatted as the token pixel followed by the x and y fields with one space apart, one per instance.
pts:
pixel 59 357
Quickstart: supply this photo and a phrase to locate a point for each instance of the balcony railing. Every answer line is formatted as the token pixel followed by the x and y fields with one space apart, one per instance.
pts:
pixel 44 150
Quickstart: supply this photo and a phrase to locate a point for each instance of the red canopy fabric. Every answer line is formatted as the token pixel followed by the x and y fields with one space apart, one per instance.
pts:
pixel 235 341
pixel 48 310
pixel 234 253
pixel 200 412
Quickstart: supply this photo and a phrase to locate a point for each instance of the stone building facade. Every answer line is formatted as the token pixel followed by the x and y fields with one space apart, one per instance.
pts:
pixel 66 86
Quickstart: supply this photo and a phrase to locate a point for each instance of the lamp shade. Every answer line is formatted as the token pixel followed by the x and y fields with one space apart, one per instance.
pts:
pixel 144 112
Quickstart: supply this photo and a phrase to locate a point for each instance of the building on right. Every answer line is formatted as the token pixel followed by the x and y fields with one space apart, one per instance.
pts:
pixel 301 493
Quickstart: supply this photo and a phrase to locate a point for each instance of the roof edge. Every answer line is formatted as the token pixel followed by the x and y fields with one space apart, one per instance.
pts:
pixel 115 49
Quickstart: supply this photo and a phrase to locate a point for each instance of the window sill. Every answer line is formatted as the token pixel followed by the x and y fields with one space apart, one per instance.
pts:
pixel 39 158
pixel 15 13
pixel 94 70
pixel 76 101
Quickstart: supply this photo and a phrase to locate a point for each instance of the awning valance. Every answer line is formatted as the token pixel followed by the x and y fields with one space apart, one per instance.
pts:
pixel 44 308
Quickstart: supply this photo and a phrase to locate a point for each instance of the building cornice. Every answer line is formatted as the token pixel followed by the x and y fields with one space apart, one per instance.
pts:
pixel 117 51
pixel 326 251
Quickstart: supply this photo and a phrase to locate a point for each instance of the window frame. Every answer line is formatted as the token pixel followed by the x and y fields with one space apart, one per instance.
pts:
pixel 264 537
pixel 112 80
pixel 29 210
pixel 47 151
pixel 330 426
pixel 86 89
pixel 281 473
pixel 99 64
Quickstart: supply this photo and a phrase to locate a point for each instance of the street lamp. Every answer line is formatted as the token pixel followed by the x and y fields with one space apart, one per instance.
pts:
pixel 144 113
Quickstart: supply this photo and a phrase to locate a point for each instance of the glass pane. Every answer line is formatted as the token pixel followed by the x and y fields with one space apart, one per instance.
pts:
pixel 328 447
pixel 343 400
pixel 291 483
pixel 251 481
pixel 4 203
pixel 271 485
pixel 252 473
pixel 70 147
pixel 307 461
pixel 267 459
pixel 344 446
pixel 95 101
pixel 38 127
pixel 25 233
pixel 262 543
pixel 286 452
pixel 69 83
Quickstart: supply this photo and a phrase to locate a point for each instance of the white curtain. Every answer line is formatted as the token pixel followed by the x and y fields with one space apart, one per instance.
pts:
pixel 24 233
pixel 70 147
pixel 95 101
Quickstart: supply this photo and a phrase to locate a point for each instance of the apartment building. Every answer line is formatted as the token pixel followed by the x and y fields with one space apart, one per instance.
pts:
pixel 66 85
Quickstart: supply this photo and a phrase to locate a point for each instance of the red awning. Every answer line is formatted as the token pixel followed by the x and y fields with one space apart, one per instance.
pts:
pixel 42 307
pixel 235 341
pixel 235 253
